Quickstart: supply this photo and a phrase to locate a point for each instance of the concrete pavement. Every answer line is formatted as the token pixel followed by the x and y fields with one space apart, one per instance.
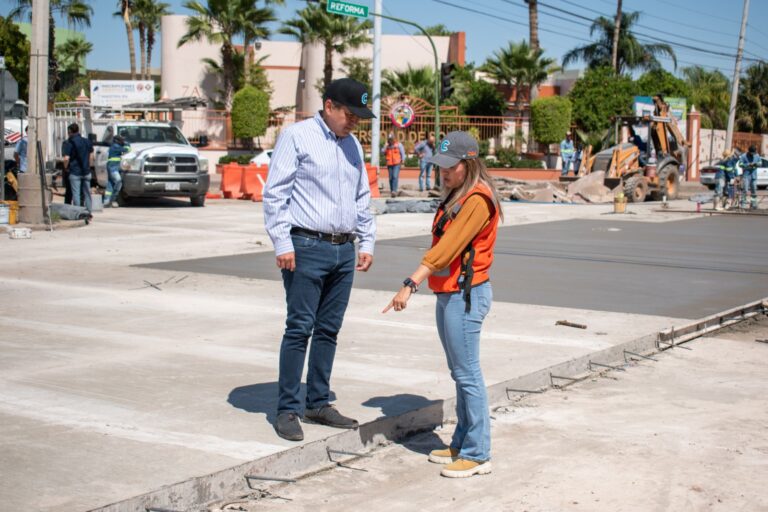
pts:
pixel 118 379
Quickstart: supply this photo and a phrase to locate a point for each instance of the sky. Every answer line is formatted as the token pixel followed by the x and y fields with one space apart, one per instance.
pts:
pixel 703 32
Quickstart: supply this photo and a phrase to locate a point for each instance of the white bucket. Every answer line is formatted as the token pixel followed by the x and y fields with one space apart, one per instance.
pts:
pixel 5 214
pixel 96 203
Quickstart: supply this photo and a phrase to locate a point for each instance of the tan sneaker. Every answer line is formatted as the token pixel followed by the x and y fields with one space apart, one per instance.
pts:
pixel 462 468
pixel 445 456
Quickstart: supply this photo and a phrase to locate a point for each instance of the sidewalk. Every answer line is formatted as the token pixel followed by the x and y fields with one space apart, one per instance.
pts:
pixel 117 380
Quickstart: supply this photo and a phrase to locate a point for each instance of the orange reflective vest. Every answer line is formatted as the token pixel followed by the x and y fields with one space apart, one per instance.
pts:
pixel 392 154
pixel 472 265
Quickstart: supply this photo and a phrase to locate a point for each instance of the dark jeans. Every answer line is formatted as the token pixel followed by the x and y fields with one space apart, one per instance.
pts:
pixel 317 293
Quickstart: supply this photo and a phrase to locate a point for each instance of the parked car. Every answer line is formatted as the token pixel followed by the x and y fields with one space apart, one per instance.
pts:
pixel 708 175
pixel 262 158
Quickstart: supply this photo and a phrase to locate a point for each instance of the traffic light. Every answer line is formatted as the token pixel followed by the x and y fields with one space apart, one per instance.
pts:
pixel 446 74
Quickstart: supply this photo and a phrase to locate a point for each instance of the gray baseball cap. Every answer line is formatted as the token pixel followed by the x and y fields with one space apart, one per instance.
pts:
pixel 456 146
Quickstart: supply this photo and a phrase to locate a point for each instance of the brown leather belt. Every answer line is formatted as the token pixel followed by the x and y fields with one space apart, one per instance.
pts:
pixel 334 238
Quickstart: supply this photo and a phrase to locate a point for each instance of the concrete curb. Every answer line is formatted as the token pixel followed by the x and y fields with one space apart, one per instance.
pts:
pixel 304 460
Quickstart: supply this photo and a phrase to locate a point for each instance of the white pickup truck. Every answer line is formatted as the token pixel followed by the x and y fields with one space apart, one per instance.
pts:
pixel 161 162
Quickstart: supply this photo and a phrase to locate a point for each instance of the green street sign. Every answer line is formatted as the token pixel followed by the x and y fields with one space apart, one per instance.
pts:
pixel 347 9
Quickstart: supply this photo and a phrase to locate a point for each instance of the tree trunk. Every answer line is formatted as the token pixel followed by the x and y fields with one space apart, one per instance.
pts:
pixel 150 45
pixel 519 122
pixel 533 24
pixel 616 30
pixel 142 51
pixel 247 56
pixel 53 63
pixel 328 69
pixel 228 68
pixel 129 33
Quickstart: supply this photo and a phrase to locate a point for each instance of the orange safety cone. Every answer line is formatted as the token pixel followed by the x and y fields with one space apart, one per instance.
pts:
pixel 231 179
pixel 261 178
pixel 373 180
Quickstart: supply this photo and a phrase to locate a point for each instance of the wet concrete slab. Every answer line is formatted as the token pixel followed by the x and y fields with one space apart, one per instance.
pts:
pixel 682 269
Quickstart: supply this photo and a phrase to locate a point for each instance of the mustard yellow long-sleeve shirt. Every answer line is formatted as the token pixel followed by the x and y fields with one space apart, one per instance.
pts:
pixel 473 217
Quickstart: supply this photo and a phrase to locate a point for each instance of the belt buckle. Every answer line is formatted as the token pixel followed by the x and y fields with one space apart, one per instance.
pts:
pixel 338 238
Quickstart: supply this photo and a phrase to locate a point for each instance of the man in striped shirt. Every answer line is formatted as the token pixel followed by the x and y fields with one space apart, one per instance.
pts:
pixel 316 203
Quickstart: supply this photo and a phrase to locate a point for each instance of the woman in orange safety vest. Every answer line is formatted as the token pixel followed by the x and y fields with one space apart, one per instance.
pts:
pixel 456 267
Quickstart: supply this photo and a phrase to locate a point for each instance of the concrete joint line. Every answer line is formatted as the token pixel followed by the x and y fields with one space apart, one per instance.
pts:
pixel 308 459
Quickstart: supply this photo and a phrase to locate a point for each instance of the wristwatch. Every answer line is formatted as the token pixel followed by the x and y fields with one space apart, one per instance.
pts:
pixel 410 283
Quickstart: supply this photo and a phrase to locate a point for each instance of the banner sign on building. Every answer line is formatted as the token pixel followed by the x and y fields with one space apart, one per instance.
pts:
pixel 643 105
pixel 117 93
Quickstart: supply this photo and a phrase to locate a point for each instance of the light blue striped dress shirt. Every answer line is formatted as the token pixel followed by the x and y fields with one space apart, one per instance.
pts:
pixel 317 181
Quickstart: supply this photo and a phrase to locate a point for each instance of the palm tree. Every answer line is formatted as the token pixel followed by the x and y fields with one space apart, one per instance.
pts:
pixel 533 23
pixel 711 94
pixel 337 34
pixel 437 30
pixel 124 12
pixel 219 22
pixel 72 54
pixel 631 53
pixel 77 13
pixel 414 82
pixel 146 16
pixel 253 27
pixel 752 107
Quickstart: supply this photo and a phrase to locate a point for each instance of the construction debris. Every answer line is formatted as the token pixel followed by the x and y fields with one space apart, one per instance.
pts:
pixel 587 189
pixel 570 324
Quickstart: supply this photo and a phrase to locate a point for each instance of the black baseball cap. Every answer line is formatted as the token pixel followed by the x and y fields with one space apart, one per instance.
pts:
pixel 456 146
pixel 350 93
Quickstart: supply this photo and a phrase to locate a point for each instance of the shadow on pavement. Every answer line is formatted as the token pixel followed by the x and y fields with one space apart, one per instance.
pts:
pixel 261 398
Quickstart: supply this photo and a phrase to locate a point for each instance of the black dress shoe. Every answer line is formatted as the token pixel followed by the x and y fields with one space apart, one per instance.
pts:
pixel 328 415
pixel 288 427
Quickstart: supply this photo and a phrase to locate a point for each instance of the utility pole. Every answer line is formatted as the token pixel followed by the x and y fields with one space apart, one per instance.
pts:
pixel 30 191
pixel 376 85
pixel 736 75
pixel 616 30
pixel 2 124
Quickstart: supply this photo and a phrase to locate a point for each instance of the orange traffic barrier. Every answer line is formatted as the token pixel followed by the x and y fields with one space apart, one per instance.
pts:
pixel 231 178
pixel 373 180
pixel 254 179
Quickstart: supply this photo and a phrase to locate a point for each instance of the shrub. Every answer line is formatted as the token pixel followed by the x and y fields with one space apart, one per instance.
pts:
pixel 551 118
pixel 250 113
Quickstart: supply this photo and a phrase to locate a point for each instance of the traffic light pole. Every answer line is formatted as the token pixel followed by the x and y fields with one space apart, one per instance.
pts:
pixel 437 69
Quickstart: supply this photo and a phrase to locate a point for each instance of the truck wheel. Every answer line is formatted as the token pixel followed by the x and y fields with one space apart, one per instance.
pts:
pixel 197 200
pixel 669 183
pixel 635 189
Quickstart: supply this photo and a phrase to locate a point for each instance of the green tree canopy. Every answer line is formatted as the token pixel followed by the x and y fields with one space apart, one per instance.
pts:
pixel 437 30
pixel 752 105
pixel 15 47
pixel 631 54
pixel 710 94
pixel 358 68
pixel 551 118
pixel 482 99
pixel 598 96
pixel 250 113
pixel 659 81
pixel 415 82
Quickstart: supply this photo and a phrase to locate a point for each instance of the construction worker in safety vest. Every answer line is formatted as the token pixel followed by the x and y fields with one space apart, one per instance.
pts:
pixel 114 180
pixel 457 271
pixel 394 152
pixel 724 176
pixel 567 152
pixel 749 162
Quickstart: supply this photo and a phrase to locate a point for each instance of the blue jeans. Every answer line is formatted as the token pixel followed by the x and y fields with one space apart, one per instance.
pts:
pixel 81 188
pixel 424 170
pixel 719 182
pixel 114 183
pixel 749 178
pixel 317 293
pixel 566 167
pixel 460 335
pixel 394 174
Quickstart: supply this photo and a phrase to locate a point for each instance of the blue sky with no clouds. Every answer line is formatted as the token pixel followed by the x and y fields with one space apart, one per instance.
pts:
pixel 702 29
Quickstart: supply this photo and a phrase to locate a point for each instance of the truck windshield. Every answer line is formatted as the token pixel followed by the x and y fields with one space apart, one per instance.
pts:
pixel 158 134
